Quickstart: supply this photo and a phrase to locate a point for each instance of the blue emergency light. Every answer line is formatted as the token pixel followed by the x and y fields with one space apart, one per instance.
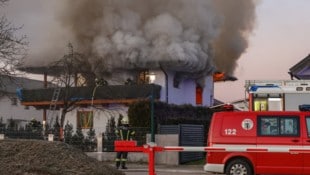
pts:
pixel 304 107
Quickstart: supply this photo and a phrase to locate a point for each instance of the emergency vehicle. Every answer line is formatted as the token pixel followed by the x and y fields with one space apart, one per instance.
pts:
pixel 259 142
pixel 277 95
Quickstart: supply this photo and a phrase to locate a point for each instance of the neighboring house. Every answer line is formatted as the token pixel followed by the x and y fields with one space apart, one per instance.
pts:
pixel 301 70
pixel 97 105
pixel 11 108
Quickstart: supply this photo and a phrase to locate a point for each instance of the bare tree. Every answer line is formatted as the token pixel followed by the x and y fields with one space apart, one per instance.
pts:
pixel 71 72
pixel 12 47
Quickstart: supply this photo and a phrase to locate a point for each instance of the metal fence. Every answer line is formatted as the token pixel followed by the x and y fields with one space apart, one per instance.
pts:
pixel 85 141
pixel 189 135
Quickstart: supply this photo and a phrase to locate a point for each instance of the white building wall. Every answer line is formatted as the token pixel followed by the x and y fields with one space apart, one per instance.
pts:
pixel 208 91
pixel 101 116
pixel 18 112
pixel 186 92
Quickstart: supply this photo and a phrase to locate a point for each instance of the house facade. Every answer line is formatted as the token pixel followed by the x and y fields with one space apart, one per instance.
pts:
pixel 187 91
pixel 98 105
pixel 11 109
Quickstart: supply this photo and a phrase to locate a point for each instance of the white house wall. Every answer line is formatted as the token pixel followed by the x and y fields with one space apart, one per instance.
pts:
pixel 18 112
pixel 208 91
pixel 186 92
pixel 101 116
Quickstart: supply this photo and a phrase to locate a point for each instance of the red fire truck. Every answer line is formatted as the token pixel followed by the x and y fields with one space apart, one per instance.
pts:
pixel 266 142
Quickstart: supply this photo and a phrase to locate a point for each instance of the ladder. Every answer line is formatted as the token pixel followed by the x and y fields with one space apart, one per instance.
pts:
pixel 53 104
pixel 55 98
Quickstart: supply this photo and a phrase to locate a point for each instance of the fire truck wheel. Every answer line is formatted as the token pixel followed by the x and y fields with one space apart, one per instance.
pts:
pixel 238 167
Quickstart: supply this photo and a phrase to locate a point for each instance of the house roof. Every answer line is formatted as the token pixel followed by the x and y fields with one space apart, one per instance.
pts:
pixel 50 70
pixel 10 84
pixel 222 76
pixel 90 95
pixel 301 70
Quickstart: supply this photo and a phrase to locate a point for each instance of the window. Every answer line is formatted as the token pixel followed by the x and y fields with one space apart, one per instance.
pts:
pixel 14 101
pixel 199 91
pixel 85 119
pixel 143 77
pixel 278 126
pixel 308 125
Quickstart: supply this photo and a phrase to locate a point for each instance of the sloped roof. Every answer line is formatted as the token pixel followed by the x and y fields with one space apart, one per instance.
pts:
pixel 84 95
pixel 301 70
pixel 10 84
pixel 50 70
pixel 222 76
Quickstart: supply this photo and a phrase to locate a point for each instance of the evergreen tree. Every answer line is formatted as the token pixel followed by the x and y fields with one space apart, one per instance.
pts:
pixel 110 134
pixel 91 141
pixel 68 133
pixel 11 125
pixel 78 139
pixel 55 129
pixel 2 126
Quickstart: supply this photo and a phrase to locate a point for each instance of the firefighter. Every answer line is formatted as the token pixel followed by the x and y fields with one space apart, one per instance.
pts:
pixel 123 133
pixel 34 125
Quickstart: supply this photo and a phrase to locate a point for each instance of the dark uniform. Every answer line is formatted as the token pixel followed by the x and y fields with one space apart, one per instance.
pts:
pixel 123 133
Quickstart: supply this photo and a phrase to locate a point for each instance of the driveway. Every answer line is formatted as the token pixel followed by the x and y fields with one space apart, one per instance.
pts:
pixel 142 169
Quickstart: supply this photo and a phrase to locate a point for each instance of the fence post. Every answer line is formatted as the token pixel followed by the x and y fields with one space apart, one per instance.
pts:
pixel 51 137
pixel 99 143
pixel 99 147
pixel 151 152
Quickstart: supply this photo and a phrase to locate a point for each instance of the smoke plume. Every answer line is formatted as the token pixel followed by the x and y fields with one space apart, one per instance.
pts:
pixel 193 38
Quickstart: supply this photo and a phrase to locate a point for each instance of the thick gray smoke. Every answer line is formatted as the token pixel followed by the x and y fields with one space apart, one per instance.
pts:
pixel 193 38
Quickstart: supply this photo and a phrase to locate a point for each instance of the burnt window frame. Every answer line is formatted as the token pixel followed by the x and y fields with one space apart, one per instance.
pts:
pixel 82 116
pixel 278 118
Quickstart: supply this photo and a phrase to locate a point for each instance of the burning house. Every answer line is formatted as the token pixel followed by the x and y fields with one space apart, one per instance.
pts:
pixel 123 42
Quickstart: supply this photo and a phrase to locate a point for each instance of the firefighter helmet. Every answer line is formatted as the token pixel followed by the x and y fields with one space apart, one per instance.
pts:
pixel 125 121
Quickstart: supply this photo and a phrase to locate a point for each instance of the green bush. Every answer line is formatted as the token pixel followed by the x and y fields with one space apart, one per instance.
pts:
pixel 168 114
pixel 139 114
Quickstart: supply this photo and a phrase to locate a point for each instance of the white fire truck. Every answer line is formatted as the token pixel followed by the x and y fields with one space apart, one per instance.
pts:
pixel 278 95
